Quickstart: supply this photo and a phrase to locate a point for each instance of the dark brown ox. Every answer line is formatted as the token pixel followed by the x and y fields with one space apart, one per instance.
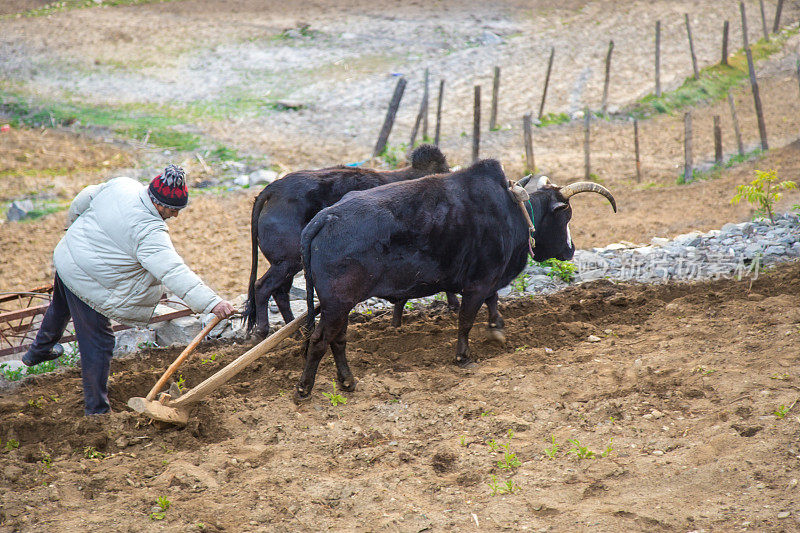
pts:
pixel 284 207
pixel 463 232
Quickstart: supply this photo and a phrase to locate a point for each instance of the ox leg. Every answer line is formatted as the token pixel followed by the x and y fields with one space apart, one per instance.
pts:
pixel 323 335
pixel 281 296
pixel 496 324
pixel 452 301
pixel 266 287
pixel 397 313
pixel 343 374
pixel 470 304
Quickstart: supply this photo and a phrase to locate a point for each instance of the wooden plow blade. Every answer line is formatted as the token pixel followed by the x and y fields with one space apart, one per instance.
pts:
pixel 176 411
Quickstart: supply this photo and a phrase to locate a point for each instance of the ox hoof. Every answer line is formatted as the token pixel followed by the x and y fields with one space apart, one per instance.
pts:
pixel 259 333
pixel 301 395
pixel 348 385
pixel 465 362
pixel 497 335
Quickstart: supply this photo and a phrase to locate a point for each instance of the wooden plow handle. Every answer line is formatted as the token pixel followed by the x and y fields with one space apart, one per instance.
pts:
pixel 181 358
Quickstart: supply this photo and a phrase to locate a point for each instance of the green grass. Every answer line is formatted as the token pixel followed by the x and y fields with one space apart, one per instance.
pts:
pixel 716 170
pixel 128 121
pixel 714 83
pixel 69 5
pixel 551 119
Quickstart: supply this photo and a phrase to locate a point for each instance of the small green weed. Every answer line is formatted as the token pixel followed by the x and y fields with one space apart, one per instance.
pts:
pixel 146 344
pixel 12 444
pixel 462 440
pixel 565 270
pixel 335 397
pixel 509 460
pixel 551 119
pixel 493 445
pixel 210 359
pixel 46 461
pixel 703 370
pixel 38 403
pixel 763 192
pixel 520 283
pixel 783 410
pixel 90 452
pixel 157 516
pixel 394 155
pixel 11 375
pixel 580 451
pixel 782 377
pixel 163 502
pixel 181 383
pixel 609 449
pixel 552 451
pixel 508 487
pixel 409 306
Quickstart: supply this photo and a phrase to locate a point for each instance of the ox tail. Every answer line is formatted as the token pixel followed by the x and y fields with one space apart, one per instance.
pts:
pixel 250 305
pixel 308 235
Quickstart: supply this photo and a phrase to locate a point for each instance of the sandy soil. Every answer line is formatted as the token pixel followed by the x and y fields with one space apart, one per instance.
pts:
pixel 681 388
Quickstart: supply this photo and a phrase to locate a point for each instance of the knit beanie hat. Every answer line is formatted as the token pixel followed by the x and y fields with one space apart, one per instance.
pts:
pixel 169 188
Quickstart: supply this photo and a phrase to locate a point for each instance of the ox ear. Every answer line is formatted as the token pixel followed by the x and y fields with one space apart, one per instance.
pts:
pixel 558 206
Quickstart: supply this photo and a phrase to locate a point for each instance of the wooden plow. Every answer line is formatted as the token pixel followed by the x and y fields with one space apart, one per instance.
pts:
pixel 176 410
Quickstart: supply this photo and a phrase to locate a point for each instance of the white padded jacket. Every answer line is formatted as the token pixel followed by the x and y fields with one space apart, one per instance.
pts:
pixel 117 253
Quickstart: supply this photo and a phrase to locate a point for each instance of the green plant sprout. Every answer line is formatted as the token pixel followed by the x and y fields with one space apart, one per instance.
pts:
pixel 181 383
pixel 783 410
pixel 763 192
pixel 210 359
pixel 581 452
pixel 553 449
pixel 335 397
pixel 12 444
pixel 509 460
pixel 509 487
pixel 609 449
pixel 90 452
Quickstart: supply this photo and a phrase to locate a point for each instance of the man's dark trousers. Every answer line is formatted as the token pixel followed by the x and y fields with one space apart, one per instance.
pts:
pixel 95 342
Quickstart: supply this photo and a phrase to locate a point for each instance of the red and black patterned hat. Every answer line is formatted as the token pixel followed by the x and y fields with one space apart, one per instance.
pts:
pixel 169 188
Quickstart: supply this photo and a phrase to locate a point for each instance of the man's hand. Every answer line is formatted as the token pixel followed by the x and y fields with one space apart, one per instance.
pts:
pixel 223 309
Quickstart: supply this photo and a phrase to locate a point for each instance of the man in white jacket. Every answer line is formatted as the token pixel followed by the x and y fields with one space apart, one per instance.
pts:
pixel 111 264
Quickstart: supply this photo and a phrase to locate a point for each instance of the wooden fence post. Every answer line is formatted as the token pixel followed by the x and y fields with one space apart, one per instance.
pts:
pixel 745 39
pixel 762 128
pixel 717 141
pixel 604 104
pixel 547 80
pixel 763 20
pixel 736 130
pixel 425 99
pixel 476 124
pixel 691 48
pixel 658 58
pixel 388 122
pixel 495 97
pixel 415 129
pixel 687 147
pixel 636 150
pixel 587 118
pixel 777 24
pixel 530 165
pixel 725 43
pixel 439 113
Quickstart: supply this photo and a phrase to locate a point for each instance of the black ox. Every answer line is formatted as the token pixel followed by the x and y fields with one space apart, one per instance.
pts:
pixel 463 232
pixel 284 207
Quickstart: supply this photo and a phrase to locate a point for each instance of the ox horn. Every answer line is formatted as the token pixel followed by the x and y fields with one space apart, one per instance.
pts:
pixel 587 186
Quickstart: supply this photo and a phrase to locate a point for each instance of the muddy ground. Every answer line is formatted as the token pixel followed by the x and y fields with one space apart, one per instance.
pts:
pixel 677 400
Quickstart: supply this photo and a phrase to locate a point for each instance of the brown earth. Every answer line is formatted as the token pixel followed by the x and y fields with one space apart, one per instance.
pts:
pixel 681 391
pixel 682 387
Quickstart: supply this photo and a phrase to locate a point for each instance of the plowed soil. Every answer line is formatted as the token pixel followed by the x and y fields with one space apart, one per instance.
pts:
pixel 677 400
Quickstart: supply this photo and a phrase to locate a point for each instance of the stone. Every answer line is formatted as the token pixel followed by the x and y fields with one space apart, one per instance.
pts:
pixel 489 38
pixel 130 340
pixel 13 364
pixel 19 210
pixel 659 241
pixel 615 246
pixel 12 472
pixel 658 453
pixel 731 228
pixel 593 338
pixel 505 291
pixel 784 514
pixel 775 250
pixel 242 180
pixel 177 332
pixel 262 176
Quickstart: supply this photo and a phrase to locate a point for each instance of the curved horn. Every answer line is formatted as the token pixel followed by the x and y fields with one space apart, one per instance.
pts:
pixel 524 181
pixel 587 186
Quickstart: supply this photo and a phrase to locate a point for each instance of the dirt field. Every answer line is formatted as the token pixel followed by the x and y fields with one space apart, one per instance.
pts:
pixel 682 388
pixel 684 401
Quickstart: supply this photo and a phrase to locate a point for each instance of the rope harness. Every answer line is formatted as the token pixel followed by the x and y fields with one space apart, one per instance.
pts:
pixel 522 196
